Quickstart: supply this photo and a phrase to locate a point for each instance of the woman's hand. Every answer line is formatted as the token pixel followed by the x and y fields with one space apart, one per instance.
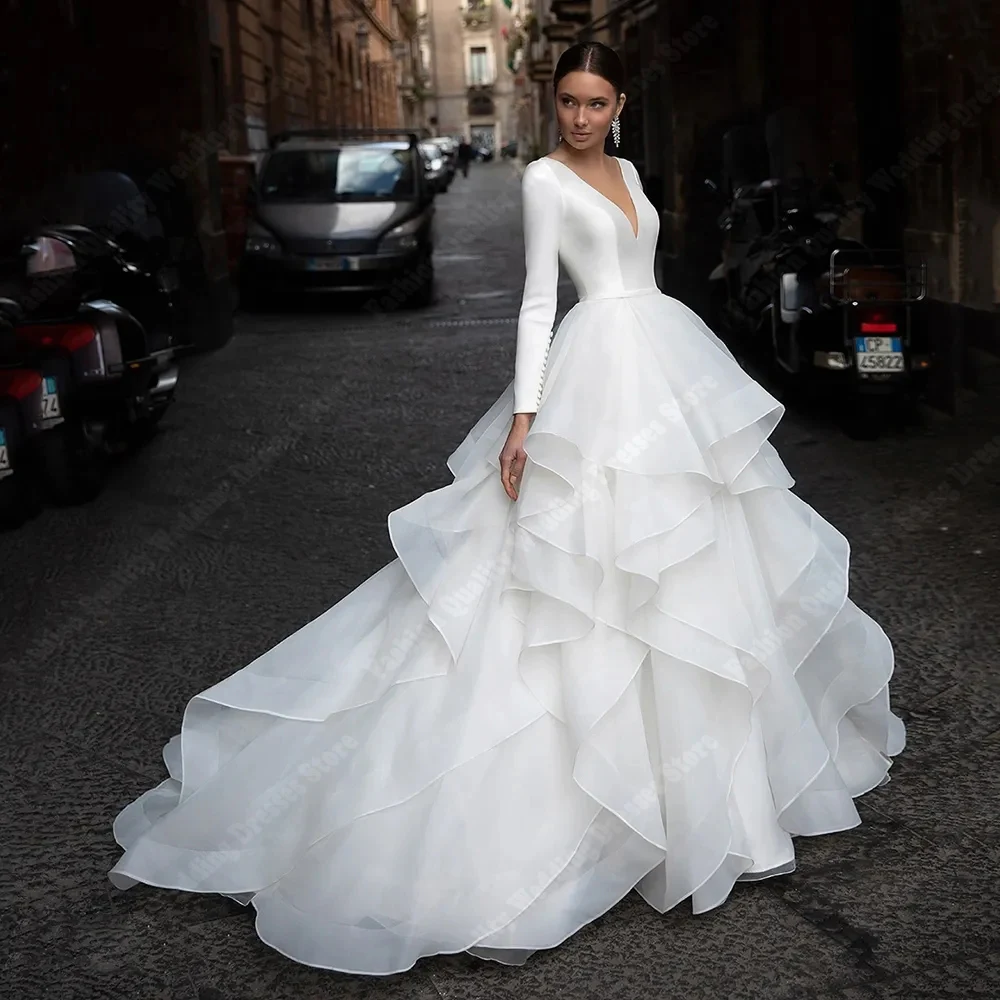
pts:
pixel 513 456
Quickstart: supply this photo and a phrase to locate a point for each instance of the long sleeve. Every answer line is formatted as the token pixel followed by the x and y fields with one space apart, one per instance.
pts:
pixel 541 199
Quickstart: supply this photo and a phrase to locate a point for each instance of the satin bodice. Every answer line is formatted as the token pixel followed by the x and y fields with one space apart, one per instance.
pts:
pixel 597 245
pixel 567 219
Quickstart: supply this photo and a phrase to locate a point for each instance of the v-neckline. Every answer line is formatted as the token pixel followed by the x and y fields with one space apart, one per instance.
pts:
pixel 635 208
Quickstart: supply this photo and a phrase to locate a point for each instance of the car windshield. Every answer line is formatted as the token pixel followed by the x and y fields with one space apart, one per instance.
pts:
pixel 349 174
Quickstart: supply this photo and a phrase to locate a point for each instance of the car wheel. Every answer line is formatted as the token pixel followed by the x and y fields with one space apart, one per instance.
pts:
pixel 423 295
pixel 254 298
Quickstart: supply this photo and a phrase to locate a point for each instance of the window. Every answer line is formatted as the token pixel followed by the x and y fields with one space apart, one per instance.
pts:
pixel 479 65
pixel 327 176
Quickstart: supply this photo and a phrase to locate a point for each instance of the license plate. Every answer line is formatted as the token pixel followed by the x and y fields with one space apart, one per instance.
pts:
pixel 51 410
pixel 878 354
pixel 5 469
pixel 334 263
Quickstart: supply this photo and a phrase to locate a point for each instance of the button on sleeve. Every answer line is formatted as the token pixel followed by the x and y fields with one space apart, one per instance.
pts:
pixel 541 199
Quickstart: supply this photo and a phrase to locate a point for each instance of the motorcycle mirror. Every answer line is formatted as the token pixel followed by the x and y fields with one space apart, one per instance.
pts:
pixel 10 310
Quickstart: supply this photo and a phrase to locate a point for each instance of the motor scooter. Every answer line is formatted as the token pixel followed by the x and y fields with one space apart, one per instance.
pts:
pixel 850 326
pixel 116 374
pixel 23 404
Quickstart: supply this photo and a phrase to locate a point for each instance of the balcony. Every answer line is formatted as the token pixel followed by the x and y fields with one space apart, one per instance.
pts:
pixel 477 14
pixel 573 11
pixel 560 31
pixel 540 69
pixel 480 100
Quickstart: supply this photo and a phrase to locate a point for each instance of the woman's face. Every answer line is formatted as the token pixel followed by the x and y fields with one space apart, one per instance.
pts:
pixel 585 106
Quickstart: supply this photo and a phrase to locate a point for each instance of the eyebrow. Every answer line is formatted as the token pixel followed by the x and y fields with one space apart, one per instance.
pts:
pixel 596 97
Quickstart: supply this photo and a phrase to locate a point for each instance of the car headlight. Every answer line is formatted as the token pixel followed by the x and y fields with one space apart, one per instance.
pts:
pixel 261 242
pixel 402 237
pixel 437 164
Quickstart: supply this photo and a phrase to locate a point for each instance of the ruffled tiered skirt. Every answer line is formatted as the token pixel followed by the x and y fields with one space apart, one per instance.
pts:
pixel 646 673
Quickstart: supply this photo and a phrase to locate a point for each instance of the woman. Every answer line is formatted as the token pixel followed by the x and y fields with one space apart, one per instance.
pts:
pixel 644 673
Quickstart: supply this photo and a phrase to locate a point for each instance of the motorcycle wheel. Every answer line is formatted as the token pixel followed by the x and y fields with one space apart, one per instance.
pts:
pixel 144 429
pixel 19 501
pixel 719 317
pixel 865 419
pixel 73 465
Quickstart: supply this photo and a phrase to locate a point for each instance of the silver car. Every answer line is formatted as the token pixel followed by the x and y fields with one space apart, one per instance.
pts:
pixel 336 214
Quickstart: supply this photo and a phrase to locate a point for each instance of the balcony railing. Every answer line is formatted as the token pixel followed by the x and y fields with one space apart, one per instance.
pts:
pixel 560 31
pixel 574 11
pixel 480 99
pixel 540 66
pixel 477 14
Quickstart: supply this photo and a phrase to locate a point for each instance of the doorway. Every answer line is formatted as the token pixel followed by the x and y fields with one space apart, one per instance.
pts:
pixel 483 137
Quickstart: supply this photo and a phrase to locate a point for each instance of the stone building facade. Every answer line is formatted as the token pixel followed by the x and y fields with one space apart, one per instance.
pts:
pixel 470 82
pixel 312 63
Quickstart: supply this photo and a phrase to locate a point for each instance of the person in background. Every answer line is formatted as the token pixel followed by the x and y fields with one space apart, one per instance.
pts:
pixel 464 156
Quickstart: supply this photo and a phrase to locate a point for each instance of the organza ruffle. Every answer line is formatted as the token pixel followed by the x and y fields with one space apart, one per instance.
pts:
pixel 645 673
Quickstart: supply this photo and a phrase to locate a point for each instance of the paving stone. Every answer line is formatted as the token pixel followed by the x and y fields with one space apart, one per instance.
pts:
pixel 264 501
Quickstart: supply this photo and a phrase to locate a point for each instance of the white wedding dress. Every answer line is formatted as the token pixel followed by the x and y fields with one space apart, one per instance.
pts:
pixel 644 673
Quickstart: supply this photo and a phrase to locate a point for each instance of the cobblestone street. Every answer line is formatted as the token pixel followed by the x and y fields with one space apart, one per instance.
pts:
pixel 263 501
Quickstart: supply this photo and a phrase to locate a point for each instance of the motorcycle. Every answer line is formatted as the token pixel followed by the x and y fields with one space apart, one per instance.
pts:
pixel 848 324
pixel 830 314
pixel 22 407
pixel 756 226
pixel 115 373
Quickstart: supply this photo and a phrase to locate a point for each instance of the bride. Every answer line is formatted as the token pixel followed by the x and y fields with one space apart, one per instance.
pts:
pixel 615 653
